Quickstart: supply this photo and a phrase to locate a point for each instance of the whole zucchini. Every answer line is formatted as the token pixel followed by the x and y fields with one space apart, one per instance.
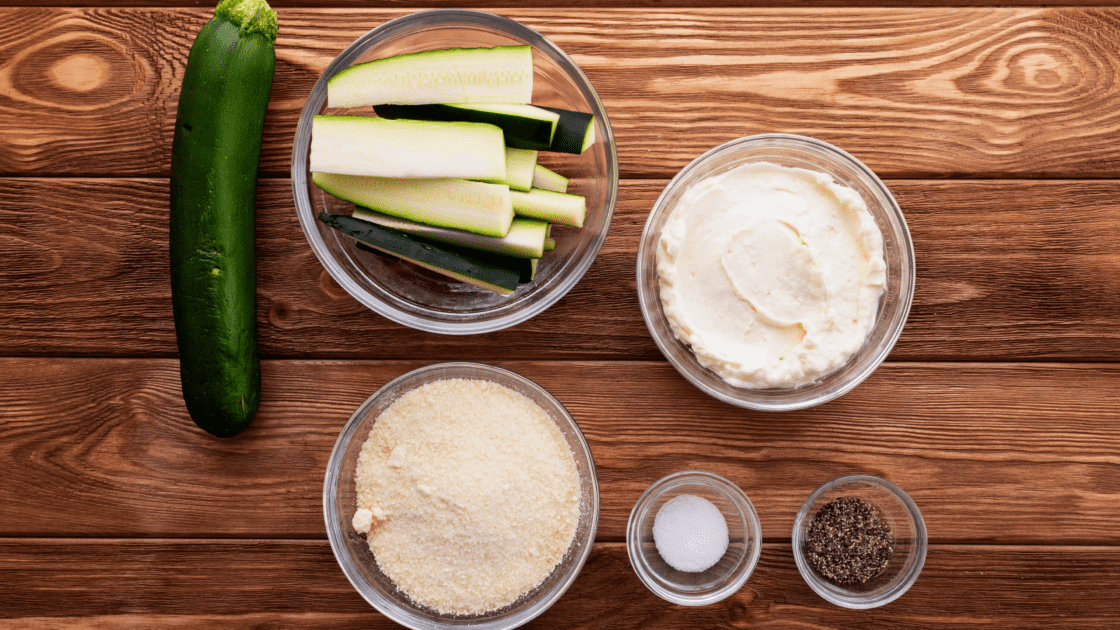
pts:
pixel 214 158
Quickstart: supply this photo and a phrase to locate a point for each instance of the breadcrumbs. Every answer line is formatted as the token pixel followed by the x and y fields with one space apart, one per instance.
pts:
pixel 471 495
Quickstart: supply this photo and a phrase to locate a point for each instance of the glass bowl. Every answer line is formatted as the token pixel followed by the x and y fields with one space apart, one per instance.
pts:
pixel 422 299
pixel 353 553
pixel 894 302
pixel 721 580
pixel 898 511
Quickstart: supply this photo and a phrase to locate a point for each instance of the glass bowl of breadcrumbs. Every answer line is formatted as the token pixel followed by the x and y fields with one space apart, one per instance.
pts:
pixel 461 495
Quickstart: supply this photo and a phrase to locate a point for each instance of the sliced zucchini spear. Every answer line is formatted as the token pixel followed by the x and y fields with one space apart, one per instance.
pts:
pixel 546 179
pixel 452 203
pixel 525 126
pixel 441 259
pixel 527 267
pixel 379 147
pixel 575 131
pixel 526 237
pixel 520 168
pixel 553 207
pixel 502 74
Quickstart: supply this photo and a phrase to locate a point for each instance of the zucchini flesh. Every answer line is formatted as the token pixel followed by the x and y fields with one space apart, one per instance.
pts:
pixel 550 206
pixel 452 203
pixel 441 259
pixel 520 168
pixel 549 180
pixel 524 126
pixel 575 131
pixel 503 74
pixel 525 239
pixel 214 155
pixel 379 147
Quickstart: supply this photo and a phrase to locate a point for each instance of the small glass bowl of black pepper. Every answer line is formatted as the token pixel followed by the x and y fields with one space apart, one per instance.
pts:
pixel 859 541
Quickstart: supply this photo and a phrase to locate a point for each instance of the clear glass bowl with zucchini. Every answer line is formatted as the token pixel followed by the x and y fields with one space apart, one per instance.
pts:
pixel 446 208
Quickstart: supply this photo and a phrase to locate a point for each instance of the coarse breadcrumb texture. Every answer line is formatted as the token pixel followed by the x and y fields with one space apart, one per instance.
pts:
pixel 474 491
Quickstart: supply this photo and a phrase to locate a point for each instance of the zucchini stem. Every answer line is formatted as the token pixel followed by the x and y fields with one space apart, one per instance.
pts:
pixel 249 16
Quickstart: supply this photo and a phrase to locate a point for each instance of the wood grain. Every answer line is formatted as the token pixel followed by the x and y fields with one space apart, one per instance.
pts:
pixel 991 453
pixel 119 513
pixel 914 93
pixel 297 584
pixel 582 4
pixel 1024 271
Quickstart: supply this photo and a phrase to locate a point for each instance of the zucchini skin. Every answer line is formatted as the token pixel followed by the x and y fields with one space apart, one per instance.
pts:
pixel 571 131
pixel 520 132
pixel 461 263
pixel 214 158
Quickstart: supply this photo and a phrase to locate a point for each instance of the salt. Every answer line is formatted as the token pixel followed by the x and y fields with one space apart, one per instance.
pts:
pixel 690 533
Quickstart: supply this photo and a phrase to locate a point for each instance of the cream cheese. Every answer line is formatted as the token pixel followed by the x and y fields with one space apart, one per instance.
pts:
pixel 772 275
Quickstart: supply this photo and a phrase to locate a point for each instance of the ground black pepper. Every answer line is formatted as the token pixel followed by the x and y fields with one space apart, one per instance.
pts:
pixel 848 544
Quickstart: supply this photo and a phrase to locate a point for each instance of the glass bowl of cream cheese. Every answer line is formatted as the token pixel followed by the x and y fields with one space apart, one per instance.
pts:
pixel 775 272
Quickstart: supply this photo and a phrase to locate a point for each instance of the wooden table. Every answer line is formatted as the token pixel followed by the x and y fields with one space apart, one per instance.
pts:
pixel 996 129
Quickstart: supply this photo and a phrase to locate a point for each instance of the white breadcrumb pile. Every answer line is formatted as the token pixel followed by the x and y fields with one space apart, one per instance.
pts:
pixel 472 492
pixel 363 520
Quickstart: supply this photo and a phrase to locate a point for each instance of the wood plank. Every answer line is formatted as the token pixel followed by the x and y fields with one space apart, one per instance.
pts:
pixel 1007 270
pixel 991 453
pixel 583 4
pixel 297 584
pixel 914 93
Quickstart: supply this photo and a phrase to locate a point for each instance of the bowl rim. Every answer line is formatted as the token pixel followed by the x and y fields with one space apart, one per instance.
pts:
pixel 795 399
pixel 300 180
pixel 904 580
pixel 330 497
pixel 732 491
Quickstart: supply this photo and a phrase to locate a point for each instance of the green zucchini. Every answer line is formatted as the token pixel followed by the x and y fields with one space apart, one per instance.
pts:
pixel 545 179
pixel 575 131
pixel 214 154
pixel 452 203
pixel 554 207
pixel 525 267
pixel 379 147
pixel 373 250
pixel 439 258
pixel 502 74
pixel 524 126
pixel 520 169
pixel 525 239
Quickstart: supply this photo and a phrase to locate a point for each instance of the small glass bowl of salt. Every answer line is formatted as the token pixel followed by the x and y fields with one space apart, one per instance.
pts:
pixel 693 538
